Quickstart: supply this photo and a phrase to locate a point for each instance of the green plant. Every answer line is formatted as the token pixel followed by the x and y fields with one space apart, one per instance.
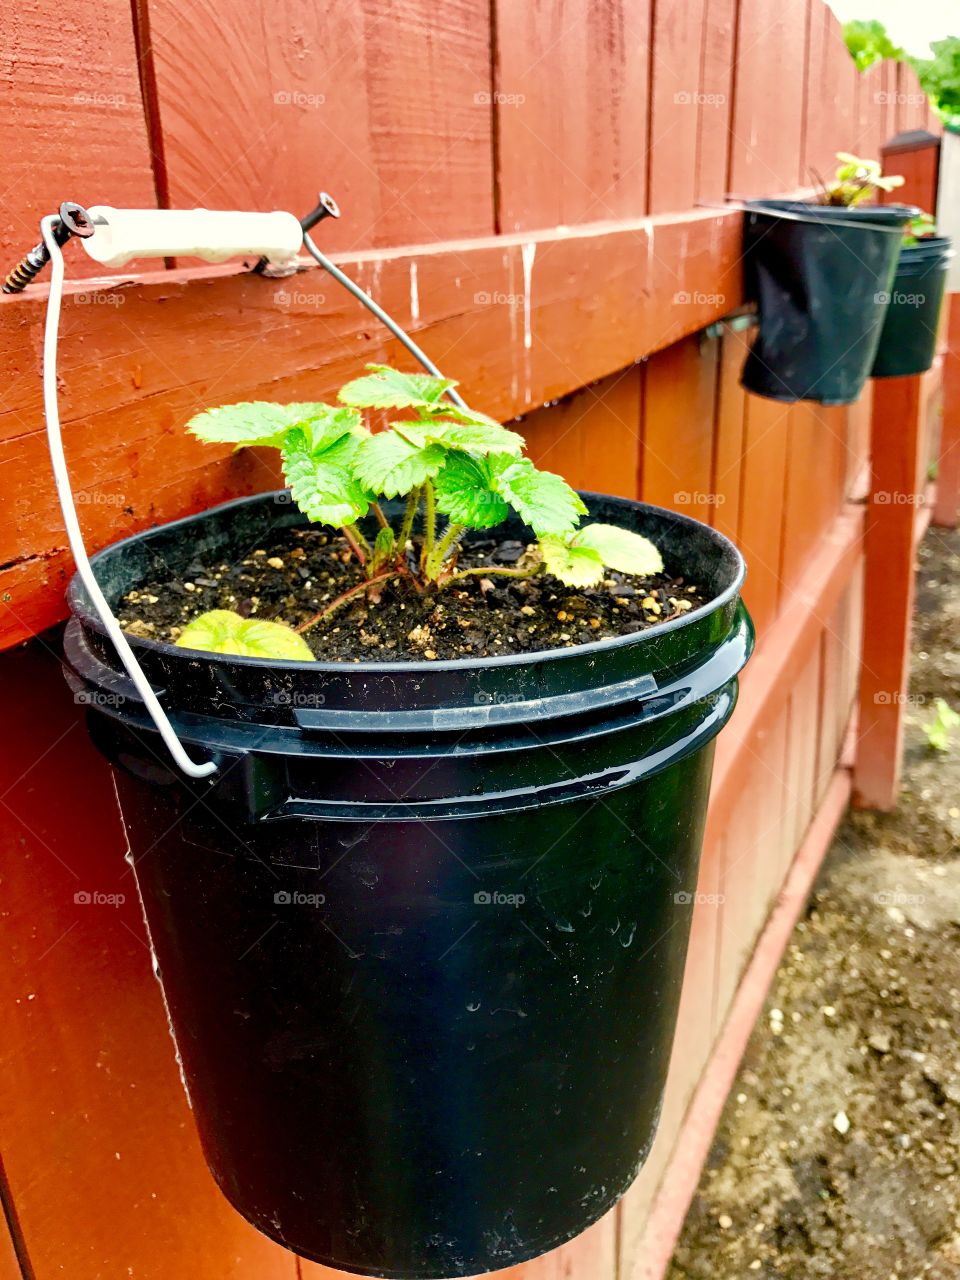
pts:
pixel 940 729
pixel 868 42
pixel 452 466
pixel 922 227
pixel 857 180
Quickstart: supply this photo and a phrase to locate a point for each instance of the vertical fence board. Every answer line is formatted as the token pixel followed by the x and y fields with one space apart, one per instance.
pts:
pixel 716 104
pixel 761 502
pixel 680 387
pixel 100 1152
pixel 572 107
pixel 385 104
pixel 768 111
pixel 72 127
pixel 728 442
pixel 678 34
pixel 592 438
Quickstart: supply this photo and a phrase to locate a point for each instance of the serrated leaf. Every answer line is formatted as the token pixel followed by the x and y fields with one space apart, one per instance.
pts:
pixel 543 500
pixel 326 428
pixel 466 492
pixel 620 549
pixel 471 437
pixel 389 465
pixel 322 480
pixel 223 631
pixel 386 388
pixel 253 422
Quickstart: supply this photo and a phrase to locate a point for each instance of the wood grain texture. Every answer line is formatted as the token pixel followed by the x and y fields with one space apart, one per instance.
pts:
pixel 72 126
pixel 679 404
pixel 768 109
pixel 762 486
pixel 99 1145
pixel 716 104
pixel 675 103
pixel 385 103
pixel 729 434
pixel 947 508
pixel 133 372
pixel 572 103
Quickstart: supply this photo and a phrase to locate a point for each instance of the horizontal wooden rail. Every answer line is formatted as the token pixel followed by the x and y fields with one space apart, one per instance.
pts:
pixel 527 318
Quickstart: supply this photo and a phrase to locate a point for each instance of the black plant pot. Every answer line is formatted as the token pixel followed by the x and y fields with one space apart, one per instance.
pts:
pixel 820 276
pixel 422 936
pixel 909 337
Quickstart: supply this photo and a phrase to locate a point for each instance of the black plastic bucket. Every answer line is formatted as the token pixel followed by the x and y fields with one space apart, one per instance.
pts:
pixel 422 936
pixel 908 341
pixel 820 276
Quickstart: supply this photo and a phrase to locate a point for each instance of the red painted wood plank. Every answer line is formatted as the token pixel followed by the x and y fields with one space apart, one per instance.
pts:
pixel 679 405
pixel 761 501
pixel 948 465
pixel 895 496
pixel 716 103
pixel 385 103
pixel 133 372
pixel 675 103
pixel 728 441
pixel 572 101
pixel 103 1164
pixel 592 437
pixel 72 127
pixel 768 108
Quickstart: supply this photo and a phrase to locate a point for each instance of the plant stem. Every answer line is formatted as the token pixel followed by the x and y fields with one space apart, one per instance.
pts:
pixel 354 537
pixel 429 521
pixel 413 505
pixel 486 571
pixel 342 599
pixel 382 520
pixel 435 561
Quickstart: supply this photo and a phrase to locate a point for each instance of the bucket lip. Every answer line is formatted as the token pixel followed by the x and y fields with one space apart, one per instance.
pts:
pixel 875 215
pixel 81 608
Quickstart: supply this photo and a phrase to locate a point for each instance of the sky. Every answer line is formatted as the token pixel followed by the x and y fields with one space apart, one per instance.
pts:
pixel 911 23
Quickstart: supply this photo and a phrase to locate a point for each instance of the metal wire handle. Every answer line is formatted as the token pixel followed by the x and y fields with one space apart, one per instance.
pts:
pixel 48 228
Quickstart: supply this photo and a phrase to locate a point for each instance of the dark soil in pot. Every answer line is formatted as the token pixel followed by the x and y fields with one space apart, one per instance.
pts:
pixel 298 572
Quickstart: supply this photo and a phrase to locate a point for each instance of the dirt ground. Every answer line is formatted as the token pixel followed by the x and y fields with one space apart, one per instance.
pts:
pixel 839 1150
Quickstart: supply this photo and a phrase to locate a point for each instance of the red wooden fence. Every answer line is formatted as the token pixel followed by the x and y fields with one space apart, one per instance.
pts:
pixel 536 188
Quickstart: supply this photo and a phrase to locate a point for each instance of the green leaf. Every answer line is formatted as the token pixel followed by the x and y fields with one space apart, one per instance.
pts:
pixel 387 464
pixel 255 422
pixel 386 388
pixel 223 631
pixel 384 547
pixel 620 549
pixel 471 437
pixel 940 729
pixel 321 479
pixel 467 494
pixel 543 500
pixel 576 566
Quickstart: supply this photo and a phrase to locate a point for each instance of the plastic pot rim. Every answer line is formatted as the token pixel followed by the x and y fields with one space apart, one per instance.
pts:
pixel 81 609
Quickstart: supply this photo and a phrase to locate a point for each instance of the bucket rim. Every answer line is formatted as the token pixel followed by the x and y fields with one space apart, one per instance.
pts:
pixel 82 609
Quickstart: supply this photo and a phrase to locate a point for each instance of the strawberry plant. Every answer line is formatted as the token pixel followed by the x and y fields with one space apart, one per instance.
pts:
pixel 455 470
pixel 856 180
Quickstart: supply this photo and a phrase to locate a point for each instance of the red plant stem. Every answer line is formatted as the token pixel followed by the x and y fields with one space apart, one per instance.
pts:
pixel 382 520
pixel 342 599
pixel 353 543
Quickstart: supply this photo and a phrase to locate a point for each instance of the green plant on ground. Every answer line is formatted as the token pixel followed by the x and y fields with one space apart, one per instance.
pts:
pixel 940 729
pixel 868 42
pixel 857 180
pixel 939 76
pixel 456 470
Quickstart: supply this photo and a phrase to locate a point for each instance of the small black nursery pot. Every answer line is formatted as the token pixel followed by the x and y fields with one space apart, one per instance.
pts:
pixel 821 276
pixel 422 935
pixel 909 337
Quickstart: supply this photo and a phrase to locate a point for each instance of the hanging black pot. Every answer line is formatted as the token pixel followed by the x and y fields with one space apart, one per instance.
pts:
pixel 909 337
pixel 820 276
pixel 422 935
